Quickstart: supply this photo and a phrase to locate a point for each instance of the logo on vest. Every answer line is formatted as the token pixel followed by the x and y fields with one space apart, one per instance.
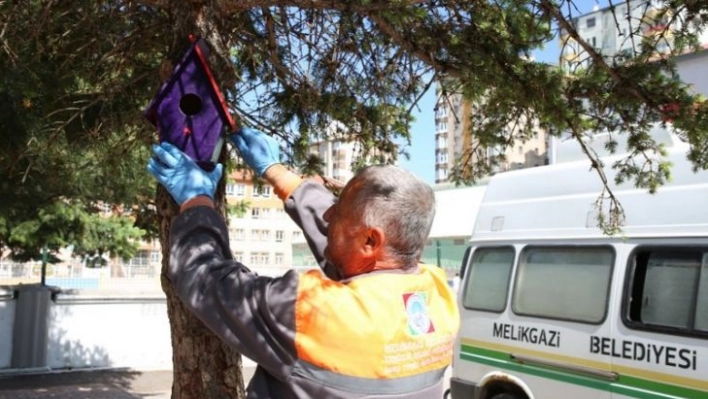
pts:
pixel 417 310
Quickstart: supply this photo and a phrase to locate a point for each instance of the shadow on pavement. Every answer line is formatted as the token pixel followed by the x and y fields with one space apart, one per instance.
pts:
pixel 108 384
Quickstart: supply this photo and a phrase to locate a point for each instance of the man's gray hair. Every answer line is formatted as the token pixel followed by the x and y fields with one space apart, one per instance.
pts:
pixel 401 204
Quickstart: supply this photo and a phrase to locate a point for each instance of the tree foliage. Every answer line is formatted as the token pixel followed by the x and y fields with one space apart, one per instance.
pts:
pixel 74 75
pixel 77 75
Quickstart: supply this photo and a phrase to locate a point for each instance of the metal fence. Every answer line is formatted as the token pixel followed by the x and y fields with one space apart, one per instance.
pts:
pixel 117 278
pixel 142 273
pixel 75 275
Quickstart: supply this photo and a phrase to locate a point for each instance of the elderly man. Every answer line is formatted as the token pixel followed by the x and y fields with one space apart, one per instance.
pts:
pixel 376 324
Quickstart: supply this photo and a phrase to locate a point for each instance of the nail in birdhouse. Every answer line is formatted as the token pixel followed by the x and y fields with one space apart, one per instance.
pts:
pixel 189 111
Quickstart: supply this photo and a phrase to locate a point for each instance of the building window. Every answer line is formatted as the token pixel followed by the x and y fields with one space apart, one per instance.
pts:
pixel 262 192
pixel 442 141
pixel 238 257
pixel 442 157
pixel 279 235
pixel 296 235
pixel 230 189
pixel 278 258
pixel 260 258
pixel 155 256
pixel 239 235
pixel 240 190
pixel 255 213
pixel 442 174
pixel 265 235
pixel 590 22
pixel 441 111
pixel 142 258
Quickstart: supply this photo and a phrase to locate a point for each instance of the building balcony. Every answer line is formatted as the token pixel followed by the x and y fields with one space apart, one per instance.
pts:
pixel 566 38
pixel 657 29
pixel 570 57
pixel 654 12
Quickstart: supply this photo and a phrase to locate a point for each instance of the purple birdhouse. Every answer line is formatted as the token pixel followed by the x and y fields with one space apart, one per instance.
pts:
pixel 189 111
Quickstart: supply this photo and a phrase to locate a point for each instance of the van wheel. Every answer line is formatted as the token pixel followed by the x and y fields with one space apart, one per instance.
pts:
pixel 505 396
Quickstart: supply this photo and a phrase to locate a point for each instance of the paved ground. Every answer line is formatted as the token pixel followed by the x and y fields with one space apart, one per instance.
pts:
pixel 103 384
pixel 107 384
pixel 99 384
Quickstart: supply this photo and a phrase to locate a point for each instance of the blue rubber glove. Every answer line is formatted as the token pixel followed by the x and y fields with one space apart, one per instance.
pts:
pixel 257 149
pixel 180 175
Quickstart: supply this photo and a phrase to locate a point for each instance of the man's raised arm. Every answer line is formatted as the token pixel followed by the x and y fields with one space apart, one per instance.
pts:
pixel 305 201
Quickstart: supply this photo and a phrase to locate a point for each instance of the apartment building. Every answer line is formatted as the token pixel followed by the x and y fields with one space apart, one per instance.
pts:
pixel 609 30
pixel 612 33
pixel 339 152
pixel 452 138
pixel 260 232
pixel 620 31
pixel 337 156
pixel 451 121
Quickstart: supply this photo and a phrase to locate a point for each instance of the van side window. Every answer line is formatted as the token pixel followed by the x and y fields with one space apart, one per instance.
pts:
pixel 488 283
pixel 567 283
pixel 669 291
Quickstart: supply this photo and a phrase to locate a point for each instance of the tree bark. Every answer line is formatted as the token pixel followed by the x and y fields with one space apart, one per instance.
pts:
pixel 203 366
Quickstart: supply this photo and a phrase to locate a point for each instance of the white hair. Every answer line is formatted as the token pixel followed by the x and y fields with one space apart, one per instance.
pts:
pixel 399 203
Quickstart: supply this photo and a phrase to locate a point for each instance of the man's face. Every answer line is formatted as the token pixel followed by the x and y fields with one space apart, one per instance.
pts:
pixel 344 233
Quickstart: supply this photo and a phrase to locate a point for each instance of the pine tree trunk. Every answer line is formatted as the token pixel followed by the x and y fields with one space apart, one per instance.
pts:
pixel 203 366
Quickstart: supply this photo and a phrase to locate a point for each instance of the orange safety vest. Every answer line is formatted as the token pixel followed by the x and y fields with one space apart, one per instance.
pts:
pixel 382 325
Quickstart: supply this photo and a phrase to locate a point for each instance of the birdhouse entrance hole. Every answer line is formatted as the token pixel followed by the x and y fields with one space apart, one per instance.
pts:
pixel 190 104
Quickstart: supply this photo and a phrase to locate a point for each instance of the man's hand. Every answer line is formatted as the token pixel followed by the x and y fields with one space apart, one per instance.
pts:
pixel 257 149
pixel 180 175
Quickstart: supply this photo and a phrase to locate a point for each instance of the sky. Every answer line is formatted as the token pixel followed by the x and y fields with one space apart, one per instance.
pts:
pixel 422 148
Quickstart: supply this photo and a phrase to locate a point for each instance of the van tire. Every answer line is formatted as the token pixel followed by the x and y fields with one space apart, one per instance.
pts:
pixel 505 396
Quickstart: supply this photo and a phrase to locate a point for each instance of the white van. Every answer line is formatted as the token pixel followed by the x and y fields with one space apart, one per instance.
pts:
pixel 553 308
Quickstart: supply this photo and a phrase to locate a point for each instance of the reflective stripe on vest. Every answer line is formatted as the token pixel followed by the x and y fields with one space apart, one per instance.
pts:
pixel 383 325
pixel 369 386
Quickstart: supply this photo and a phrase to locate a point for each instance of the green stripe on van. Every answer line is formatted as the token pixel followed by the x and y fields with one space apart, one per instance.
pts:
pixel 625 385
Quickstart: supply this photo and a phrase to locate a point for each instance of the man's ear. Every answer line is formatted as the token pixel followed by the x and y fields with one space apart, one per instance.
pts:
pixel 375 241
